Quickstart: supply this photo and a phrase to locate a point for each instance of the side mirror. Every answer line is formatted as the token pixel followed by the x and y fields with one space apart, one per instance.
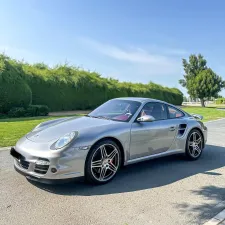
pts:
pixel 146 118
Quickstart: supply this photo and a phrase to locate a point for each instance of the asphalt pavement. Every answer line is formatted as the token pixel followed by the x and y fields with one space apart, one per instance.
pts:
pixel 163 191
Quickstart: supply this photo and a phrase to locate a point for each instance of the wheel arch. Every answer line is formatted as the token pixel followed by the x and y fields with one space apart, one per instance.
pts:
pixel 197 128
pixel 109 138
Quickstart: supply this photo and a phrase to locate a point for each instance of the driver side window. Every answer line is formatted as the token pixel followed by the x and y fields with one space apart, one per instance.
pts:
pixel 154 109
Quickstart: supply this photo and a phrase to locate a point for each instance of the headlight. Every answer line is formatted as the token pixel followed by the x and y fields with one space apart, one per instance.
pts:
pixel 66 139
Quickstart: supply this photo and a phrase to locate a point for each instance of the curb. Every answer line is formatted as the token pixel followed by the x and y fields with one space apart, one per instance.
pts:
pixel 214 120
pixel 218 219
pixel 5 148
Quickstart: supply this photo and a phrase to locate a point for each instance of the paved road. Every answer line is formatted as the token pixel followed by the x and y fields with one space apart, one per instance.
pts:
pixel 162 191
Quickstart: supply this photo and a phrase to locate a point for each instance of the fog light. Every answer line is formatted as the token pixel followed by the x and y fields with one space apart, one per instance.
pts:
pixel 42 162
pixel 53 170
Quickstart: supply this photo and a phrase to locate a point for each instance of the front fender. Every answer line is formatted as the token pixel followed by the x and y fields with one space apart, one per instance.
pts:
pixel 87 137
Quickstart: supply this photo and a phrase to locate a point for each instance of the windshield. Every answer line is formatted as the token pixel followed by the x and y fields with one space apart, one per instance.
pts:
pixel 118 110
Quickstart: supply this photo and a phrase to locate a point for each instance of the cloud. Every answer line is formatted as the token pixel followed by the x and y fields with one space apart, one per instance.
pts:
pixel 137 55
pixel 143 60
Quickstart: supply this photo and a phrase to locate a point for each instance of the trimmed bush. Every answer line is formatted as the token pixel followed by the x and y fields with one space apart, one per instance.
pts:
pixel 37 110
pixel 43 110
pixel 17 112
pixel 32 110
pixel 3 116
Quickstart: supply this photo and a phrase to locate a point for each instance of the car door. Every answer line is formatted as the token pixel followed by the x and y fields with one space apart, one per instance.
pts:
pixel 175 121
pixel 148 138
pixel 170 127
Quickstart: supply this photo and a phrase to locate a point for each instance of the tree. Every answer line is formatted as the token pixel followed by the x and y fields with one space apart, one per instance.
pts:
pixel 206 84
pixel 200 81
pixel 218 96
pixel 185 99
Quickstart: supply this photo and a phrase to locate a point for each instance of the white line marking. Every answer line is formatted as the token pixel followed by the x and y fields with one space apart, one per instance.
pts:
pixel 220 217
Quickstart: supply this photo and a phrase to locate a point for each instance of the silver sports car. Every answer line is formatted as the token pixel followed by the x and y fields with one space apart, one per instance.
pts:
pixel 122 131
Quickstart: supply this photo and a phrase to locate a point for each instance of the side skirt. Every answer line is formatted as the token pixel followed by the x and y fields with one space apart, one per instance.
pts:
pixel 162 154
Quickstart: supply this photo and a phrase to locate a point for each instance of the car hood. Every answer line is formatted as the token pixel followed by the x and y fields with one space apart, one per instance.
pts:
pixel 56 130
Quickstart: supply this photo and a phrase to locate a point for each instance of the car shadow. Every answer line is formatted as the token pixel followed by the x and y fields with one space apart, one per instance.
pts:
pixel 149 174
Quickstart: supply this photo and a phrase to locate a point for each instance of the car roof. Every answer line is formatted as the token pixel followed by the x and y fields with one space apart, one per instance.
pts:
pixel 145 100
pixel 138 99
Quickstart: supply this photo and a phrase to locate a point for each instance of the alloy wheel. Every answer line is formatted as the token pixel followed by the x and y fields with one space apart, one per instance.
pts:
pixel 105 162
pixel 195 144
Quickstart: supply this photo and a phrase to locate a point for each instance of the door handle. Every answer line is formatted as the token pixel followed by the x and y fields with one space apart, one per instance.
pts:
pixel 172 128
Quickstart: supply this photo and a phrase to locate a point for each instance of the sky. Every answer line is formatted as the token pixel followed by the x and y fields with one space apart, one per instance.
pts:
pixel 137 41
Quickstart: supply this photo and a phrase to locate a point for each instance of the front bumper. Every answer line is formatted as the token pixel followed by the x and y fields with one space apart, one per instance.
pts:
pixel 60 169
pixel 47 181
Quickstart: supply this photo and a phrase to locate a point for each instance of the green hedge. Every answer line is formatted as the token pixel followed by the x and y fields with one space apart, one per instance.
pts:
pixel 14 91
pixel 220 101
pixel 66 87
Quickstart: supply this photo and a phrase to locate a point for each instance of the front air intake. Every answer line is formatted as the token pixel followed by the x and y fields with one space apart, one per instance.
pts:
pixel 24 164
pixel 41 169
pixel 41 166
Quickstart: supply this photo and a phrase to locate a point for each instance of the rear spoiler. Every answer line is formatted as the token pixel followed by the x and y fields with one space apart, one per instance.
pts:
pixel 197 117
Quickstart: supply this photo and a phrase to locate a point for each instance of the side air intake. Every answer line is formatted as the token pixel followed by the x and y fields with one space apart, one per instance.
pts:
pixel 181 130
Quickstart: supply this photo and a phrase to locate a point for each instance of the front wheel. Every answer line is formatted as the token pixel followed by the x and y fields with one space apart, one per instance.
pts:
pixel 194 144
pixel 103 162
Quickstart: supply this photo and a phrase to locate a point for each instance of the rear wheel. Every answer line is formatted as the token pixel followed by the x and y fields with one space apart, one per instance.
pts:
pixel 194 144
pixel 103 162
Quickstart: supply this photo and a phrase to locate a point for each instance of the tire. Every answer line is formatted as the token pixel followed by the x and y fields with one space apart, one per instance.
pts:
pixel 103 162
pixel 194 151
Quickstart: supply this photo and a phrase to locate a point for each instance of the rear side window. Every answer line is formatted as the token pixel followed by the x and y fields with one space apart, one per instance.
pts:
pixel 174 113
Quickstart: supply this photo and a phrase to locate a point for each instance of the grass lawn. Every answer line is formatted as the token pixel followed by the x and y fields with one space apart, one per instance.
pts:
pixel 13 129
pixel 208 113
